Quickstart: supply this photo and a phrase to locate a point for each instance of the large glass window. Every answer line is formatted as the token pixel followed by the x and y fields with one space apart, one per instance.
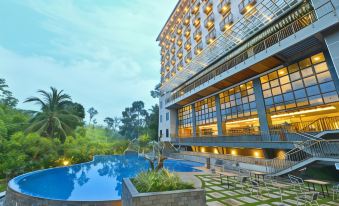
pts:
pixel 206 117
pixel 185 121
pixel 239 110
pixel 301 93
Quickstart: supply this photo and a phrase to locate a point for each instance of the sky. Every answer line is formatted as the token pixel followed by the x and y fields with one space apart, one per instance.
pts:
pixel 103 53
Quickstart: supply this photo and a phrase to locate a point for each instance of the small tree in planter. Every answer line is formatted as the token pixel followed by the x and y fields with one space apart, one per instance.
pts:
pixel 157 155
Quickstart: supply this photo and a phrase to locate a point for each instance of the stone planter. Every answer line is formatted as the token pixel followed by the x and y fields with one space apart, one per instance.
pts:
pixel 131 197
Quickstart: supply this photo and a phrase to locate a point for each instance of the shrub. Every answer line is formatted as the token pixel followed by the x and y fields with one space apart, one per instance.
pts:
pixel 158 181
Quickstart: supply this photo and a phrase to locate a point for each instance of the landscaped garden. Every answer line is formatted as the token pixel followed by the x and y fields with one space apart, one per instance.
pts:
pixel 218 194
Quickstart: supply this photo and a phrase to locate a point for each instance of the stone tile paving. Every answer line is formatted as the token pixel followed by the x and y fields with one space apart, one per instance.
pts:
pixel 218 194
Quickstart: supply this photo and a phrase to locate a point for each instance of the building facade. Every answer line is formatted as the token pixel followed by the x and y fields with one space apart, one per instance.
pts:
pixel 249 77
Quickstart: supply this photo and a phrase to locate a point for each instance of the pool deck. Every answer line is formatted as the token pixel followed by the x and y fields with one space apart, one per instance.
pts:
pixel 191 176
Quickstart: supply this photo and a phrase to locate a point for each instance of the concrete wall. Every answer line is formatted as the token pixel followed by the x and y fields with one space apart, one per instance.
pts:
pixel 131 197
pixel 14 198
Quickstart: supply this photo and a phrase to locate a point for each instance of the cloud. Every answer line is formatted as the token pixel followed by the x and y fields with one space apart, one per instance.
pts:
pixel 102 54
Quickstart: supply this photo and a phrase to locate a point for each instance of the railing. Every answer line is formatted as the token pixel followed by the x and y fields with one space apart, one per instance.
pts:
pixel 304 151
pixel 288 30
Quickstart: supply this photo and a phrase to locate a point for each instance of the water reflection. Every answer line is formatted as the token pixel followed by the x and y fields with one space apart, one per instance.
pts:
pixel 100 179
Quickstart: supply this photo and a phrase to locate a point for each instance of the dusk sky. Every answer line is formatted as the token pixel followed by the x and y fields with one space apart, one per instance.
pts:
pixel 103 52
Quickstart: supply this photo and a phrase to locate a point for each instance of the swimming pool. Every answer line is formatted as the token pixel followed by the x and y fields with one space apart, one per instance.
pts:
pixel 98 180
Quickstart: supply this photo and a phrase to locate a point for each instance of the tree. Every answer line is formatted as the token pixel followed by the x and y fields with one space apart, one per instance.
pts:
pixel 156 92
pixel 116 122
pixel 133 120
pixel 54 120
pixel 92 112
pixel 153 122
pixel 6 96
pixel 110 122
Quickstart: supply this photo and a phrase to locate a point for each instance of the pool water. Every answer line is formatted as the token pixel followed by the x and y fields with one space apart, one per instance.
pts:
pixel 100 179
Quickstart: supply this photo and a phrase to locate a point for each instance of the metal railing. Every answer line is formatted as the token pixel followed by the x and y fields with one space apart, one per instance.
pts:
pixel 289 30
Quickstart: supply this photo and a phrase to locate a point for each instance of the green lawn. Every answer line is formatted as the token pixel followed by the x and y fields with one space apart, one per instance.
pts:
pixel 218 194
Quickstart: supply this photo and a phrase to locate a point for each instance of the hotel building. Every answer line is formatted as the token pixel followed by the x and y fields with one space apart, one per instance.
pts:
pixel 249 77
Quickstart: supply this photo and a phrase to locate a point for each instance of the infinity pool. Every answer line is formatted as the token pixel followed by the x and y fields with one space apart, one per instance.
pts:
pixel 98 180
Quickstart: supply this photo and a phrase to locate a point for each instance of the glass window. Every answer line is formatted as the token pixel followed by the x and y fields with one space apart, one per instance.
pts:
pixel 313 90
pixel 278 99
pixel 274 83
pixel 321 67
pixel 297 85
pixel 324 77
pixel 295 76
pixel 266 86
pixel 286 88
pixel 282 72
pixel 273 75
pixel 318 58
pixel 268 101
pixel 305 63
pixel 309 81
pixel 288 96
pixel 185 116
pixel 330 97
pixel 276 91
pixel 327 87
pixel 300 93
pixel 317 99
pixel 307 72
pixel 302 102
pixel 267 93
pixel 284 80
pixel 292 68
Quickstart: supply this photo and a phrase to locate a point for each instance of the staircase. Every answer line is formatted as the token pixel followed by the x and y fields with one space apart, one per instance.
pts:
pixel 303 154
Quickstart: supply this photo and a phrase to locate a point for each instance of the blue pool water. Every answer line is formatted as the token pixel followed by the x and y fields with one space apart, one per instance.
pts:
pixel 100 179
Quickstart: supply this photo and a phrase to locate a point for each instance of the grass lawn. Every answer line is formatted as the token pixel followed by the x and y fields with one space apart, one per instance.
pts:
pixel 218 194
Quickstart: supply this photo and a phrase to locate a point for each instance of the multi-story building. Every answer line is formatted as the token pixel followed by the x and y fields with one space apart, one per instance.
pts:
pixel 249 77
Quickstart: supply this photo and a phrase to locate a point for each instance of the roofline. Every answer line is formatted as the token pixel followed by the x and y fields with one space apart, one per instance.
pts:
pixel 175 8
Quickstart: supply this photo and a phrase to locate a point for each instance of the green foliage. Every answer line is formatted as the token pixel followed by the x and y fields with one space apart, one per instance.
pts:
pixel 6 96
pixel 158 181
pixel 92 112
pixel 55 118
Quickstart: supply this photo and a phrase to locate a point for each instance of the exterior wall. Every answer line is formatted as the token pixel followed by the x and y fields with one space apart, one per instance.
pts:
pixel 131 197
pixel 14 198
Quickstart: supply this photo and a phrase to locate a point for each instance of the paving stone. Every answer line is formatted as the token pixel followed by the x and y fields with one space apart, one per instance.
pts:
pixel 215 203
pixel 230 193
pixel 217 188
pixel 232 202
pixel 324 205
pixel 207 183
pixel 264 205
pixel 333 203
pixel 208 197
pixel 280 204
pixel 216 195
pixel 207 189
pixel 283 194
pixel 261 198
pixel 247 199
pixel 244 192
pixel 272 195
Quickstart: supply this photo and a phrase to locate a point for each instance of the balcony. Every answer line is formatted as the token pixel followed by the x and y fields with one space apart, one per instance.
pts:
pixel 167 67
pixel 187 19
pixel 179 42
pixel 188 58
pixel 198 48
pixel 211 37
pixel 179 30
pixel 188 45
pixel 226 23
pixel 208 7
pixel 224 7
pixel 173 60
pixel 196 21
pixel 209 22
pixel 173 50
pixel 187 33
pixel 179 53
pixel 173 72
pixel 167 56
pixel 246 5
pixel 195 7
pixel 172 39
pixel 167 46
pixel 180 66
pixel 197 35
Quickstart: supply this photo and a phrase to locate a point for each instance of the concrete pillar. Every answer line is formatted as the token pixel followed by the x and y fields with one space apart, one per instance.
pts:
pixel 219 118
pixel 194 123
pixel 331 38
pixel 264 120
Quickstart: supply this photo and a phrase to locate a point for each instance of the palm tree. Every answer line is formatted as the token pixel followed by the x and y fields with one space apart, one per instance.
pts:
pixel 54 120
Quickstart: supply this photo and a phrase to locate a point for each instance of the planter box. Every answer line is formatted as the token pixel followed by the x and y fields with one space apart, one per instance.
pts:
pixel 131 197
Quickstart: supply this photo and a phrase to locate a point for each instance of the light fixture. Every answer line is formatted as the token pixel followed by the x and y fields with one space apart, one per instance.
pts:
pixel 65 162
pixel 304 112
pixel 241 121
